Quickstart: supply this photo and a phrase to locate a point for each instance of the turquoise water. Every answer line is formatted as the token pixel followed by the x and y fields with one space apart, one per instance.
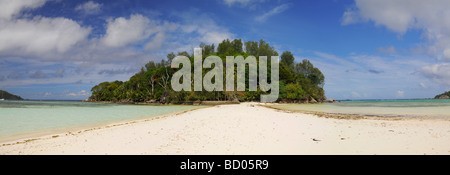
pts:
pixel 407 108
pixel 26 117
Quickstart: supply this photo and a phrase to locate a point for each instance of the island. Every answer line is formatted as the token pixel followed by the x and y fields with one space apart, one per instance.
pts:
pixel 299 82
pixel 445 95
pixel 8 96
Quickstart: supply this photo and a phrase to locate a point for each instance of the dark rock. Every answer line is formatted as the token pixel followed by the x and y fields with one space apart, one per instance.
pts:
pixel 197 102
pixel 330 100
pixel 443 97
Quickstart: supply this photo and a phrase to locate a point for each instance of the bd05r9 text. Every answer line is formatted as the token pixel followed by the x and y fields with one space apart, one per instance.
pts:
pixel 247 164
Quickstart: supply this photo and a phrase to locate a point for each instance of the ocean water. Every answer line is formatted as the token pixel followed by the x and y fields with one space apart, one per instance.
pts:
pixel 405 108
pixel 27 117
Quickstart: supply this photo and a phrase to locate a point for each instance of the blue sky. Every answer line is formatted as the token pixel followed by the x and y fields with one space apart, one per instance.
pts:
pixel 372 49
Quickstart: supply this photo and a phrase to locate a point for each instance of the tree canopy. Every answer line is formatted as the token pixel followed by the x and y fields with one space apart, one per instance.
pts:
pixel 288 59
pixel 445 95
pixel 299 82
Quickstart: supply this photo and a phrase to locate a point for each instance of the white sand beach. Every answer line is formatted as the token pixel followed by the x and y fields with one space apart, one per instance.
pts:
pixel 245 129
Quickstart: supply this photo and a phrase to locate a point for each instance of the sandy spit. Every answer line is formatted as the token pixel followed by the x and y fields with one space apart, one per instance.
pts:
pixel 245 128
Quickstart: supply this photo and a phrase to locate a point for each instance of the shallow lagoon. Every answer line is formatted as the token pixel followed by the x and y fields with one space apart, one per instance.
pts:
pixel 407 108
pixel 26 117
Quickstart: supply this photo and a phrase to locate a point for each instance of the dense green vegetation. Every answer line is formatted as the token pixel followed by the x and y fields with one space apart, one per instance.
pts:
pixel 299 82
pixel 445 95
pixel 7 96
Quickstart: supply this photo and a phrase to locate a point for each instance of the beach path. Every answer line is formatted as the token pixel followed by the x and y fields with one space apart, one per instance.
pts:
pixel 246 128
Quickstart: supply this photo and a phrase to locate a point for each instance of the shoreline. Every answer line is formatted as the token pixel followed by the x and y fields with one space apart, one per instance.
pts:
pixel 72 130
pixel 245 128
pixel 350 116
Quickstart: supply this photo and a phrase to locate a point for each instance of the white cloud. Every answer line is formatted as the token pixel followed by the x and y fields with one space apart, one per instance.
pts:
pixel 137 29
pixel 446 53
pixel 201 27
pixel 439 73
pixel 350 17
pixel 423 85
pixel 89 7
pixel 396 15
pixel 372 74
pixel 122 31
pixel 431 17
pixel 40 35
pixel 36 50
pixel 82 93
pixel 156 43
pixel 400 93
pixel 10 8
pixel 274 11
pixel 241 2
pixel 215 37
pixel 47 94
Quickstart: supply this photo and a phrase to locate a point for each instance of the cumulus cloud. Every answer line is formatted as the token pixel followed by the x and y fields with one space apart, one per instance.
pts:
pixel 37 50
pixel 54 47
pixel 10 9
pixel 431 17
pixel 40 35
pixel 138 28
pixel 89 8
pixel 156 43
pixel 372 74
pixel 350 17
pixel 202 27
pixel 215 37
pixel 439 73
pixel 397 15
pixel 122 31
